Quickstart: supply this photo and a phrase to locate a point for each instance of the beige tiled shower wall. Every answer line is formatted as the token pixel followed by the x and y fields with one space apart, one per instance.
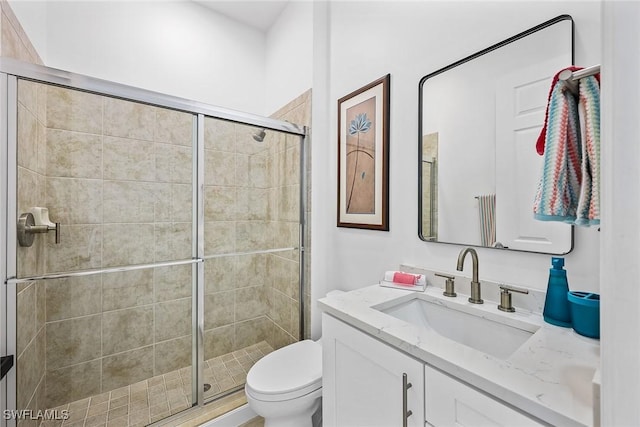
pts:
pixel 30 296
pixel 117 176
pixel 283 287
pixel 238 209
pixel 252 203
pixel 14 42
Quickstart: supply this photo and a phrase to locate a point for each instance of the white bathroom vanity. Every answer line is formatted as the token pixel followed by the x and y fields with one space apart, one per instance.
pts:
pixel 398 358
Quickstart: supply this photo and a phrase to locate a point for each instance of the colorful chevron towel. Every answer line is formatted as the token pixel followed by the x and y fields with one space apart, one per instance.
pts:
pixel 588 211
pixel 569 187
pixel 542 138
pixel 559 186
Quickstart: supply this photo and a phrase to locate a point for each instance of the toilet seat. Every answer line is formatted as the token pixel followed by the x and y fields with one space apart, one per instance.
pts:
pixel 288 373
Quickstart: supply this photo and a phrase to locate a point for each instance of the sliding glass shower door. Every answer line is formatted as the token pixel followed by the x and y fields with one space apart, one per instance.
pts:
pixel 104 295
pixel 154 248
pixel 251 239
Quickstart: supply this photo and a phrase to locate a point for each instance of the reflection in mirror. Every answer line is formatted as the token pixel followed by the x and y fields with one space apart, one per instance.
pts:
pixel 479 121
pixel 430 187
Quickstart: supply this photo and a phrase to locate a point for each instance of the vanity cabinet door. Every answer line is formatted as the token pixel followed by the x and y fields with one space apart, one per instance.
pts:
pixel 452 403
pixel 362 380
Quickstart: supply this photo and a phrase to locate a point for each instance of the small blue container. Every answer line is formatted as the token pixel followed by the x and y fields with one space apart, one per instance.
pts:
pixel 585 313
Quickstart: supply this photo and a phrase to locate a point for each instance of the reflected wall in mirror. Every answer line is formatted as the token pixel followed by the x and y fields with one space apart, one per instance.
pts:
pixel 479 121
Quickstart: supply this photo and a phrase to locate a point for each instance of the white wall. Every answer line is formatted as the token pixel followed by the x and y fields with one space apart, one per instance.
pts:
pixel 466 163
pixel 620 317
pixel 289 55
pixel 180 48
pixel 409 40
pixel 322 220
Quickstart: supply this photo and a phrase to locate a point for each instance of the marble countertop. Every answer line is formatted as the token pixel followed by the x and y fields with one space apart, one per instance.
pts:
pixel 550 376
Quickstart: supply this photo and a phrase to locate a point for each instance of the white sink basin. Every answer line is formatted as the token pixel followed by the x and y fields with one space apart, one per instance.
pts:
pixel 479 330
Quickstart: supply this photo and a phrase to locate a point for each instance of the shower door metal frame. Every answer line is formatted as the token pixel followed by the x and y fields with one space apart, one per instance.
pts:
pixel 10 71
pixel 4 208
pixel 9 143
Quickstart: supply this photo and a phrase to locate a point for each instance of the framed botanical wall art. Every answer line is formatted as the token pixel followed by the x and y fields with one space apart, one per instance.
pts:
pixel 363 157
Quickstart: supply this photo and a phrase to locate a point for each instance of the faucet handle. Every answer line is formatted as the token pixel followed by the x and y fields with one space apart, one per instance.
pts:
pixel 449 285
pixel 514 289
pixel 505 297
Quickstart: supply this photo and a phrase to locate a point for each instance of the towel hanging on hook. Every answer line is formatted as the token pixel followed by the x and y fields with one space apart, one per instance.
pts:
pixel 556 197
pixel 588 210
pixel 568 189
pixel 487 216
pixel 542 137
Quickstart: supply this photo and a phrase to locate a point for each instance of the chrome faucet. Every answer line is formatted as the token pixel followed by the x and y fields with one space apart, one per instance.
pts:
pixel 475 297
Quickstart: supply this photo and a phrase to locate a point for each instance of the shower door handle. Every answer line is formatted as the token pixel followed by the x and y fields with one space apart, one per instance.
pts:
pixel 27 228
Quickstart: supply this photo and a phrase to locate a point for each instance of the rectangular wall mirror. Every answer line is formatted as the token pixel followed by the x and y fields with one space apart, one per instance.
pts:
pixel 479 121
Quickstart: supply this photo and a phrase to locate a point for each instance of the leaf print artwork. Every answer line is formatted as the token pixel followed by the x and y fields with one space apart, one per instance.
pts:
pixel 361 158
pixel 359 124
pixel 363 151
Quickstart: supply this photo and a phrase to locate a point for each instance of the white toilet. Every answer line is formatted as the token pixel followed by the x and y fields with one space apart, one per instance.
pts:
pixel 285 386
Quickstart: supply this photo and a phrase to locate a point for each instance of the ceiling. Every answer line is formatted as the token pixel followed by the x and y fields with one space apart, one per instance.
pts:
pixel 259 14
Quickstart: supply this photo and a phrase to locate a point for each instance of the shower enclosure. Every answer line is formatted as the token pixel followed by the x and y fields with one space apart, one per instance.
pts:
pixel 173 258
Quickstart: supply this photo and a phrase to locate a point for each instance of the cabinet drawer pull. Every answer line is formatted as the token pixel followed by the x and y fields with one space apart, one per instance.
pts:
pixel 406 385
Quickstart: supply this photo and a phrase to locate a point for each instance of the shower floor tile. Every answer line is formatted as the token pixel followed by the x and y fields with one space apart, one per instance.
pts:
pixel 151 400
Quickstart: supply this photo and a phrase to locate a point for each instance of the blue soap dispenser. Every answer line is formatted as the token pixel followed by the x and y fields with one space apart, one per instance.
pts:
pixel 556 304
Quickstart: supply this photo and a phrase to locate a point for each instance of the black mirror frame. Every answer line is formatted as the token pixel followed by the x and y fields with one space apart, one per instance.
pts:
pixel 471 57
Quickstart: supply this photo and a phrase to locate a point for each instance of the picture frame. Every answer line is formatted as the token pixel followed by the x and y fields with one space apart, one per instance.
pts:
pixel 363 157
